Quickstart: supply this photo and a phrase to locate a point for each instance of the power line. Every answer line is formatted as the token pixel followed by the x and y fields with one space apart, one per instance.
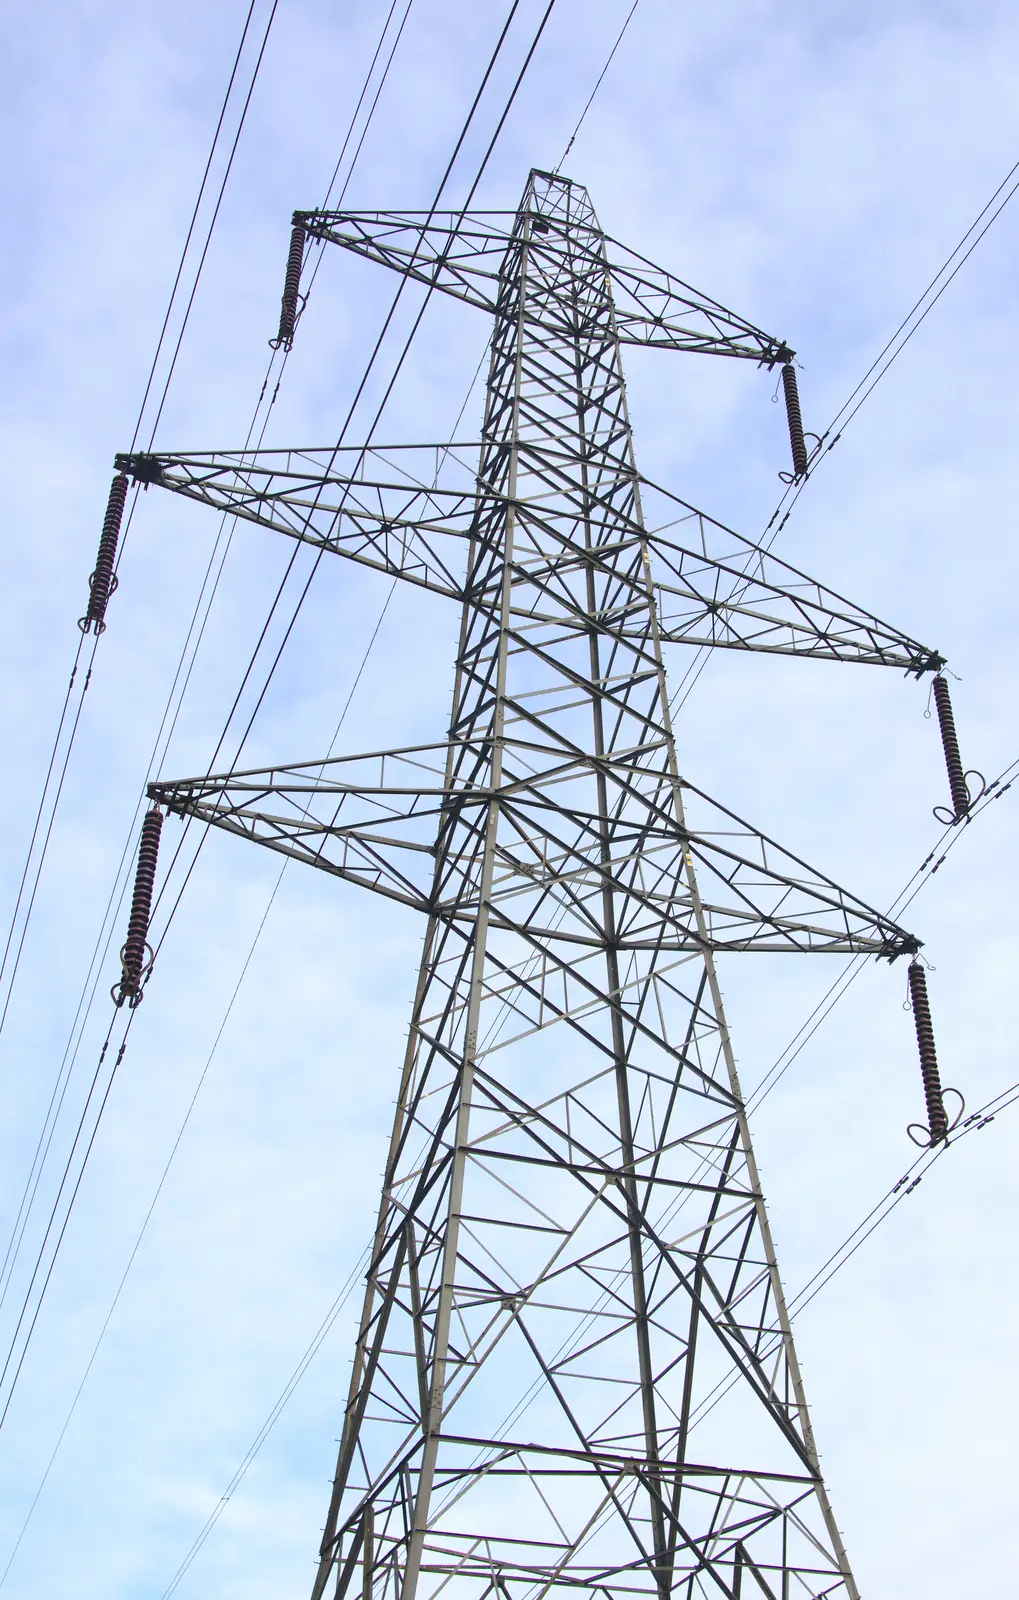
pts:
pixel 261 697
pixel 898 341
pixel 194 217
pixel 50 799
pixel 836 1260
pixel 183 1128
pixel 879 1213
pixel 63 1077
pixel 187 1117
pixel 483 165
pixel 893 348
pixel 46 797
pixel 480 172
pixel 601 79
pixel 371 431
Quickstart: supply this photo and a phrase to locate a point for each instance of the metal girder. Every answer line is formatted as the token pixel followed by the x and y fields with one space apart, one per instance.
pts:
pixel 574 1367
pixel 373 820
pixel 714 588
pixel 468 254
pixel 324 498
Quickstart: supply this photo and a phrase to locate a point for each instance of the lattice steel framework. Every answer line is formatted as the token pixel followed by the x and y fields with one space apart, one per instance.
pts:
pixel 574 1368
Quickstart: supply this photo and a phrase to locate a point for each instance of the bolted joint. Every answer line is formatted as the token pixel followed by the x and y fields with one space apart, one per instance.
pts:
pixel 141 467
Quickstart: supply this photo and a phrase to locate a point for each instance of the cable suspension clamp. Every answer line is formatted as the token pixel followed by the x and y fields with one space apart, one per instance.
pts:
pixel 136 957
pixel 103 581
pixel 938 1126
pixel 291 290
pixel 962 799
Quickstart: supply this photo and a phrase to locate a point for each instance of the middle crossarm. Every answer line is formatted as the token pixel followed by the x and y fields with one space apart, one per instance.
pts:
pixel 375 821
pixel 714 589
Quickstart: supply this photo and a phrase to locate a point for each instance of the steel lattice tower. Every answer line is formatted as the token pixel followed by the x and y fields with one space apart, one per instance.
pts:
pixel 574 1368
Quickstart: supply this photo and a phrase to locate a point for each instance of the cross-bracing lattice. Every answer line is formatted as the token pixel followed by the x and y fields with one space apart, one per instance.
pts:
pixel 574 1368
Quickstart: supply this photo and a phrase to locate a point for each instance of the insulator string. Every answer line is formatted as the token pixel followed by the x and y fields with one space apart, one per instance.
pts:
pixel 291 289
pixel 103 580
pixel 794 417
pixel 950 743
pixel 937 1118
pixel 136 946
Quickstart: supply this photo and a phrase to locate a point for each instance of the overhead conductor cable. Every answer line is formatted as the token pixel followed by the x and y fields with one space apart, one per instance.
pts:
pixel 136 956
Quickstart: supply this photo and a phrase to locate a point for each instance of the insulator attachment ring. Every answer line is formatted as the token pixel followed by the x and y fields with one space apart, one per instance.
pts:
pixel 925 1141
pixel 133 998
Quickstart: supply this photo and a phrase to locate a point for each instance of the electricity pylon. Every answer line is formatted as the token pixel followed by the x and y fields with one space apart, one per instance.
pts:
pixel 574 1368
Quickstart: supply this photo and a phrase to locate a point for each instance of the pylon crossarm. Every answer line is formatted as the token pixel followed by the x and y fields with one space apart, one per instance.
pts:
pixel 714 604
pixel 717 588
pixel 745 600
pixel 760 604
pixel 463 254
pixel 394 524
pixel 653 307
pixel 399 837
pixel 458 252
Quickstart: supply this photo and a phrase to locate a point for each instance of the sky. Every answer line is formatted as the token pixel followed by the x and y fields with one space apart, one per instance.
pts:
pixel 812 167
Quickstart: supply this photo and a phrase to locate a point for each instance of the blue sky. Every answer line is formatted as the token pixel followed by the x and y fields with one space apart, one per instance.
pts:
pixel 810 166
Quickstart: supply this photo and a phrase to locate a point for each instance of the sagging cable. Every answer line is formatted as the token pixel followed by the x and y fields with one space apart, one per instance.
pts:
pixel 103 581
pixel 136 957
pixel 291 288
pixel 938 1126
pixel 962 798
